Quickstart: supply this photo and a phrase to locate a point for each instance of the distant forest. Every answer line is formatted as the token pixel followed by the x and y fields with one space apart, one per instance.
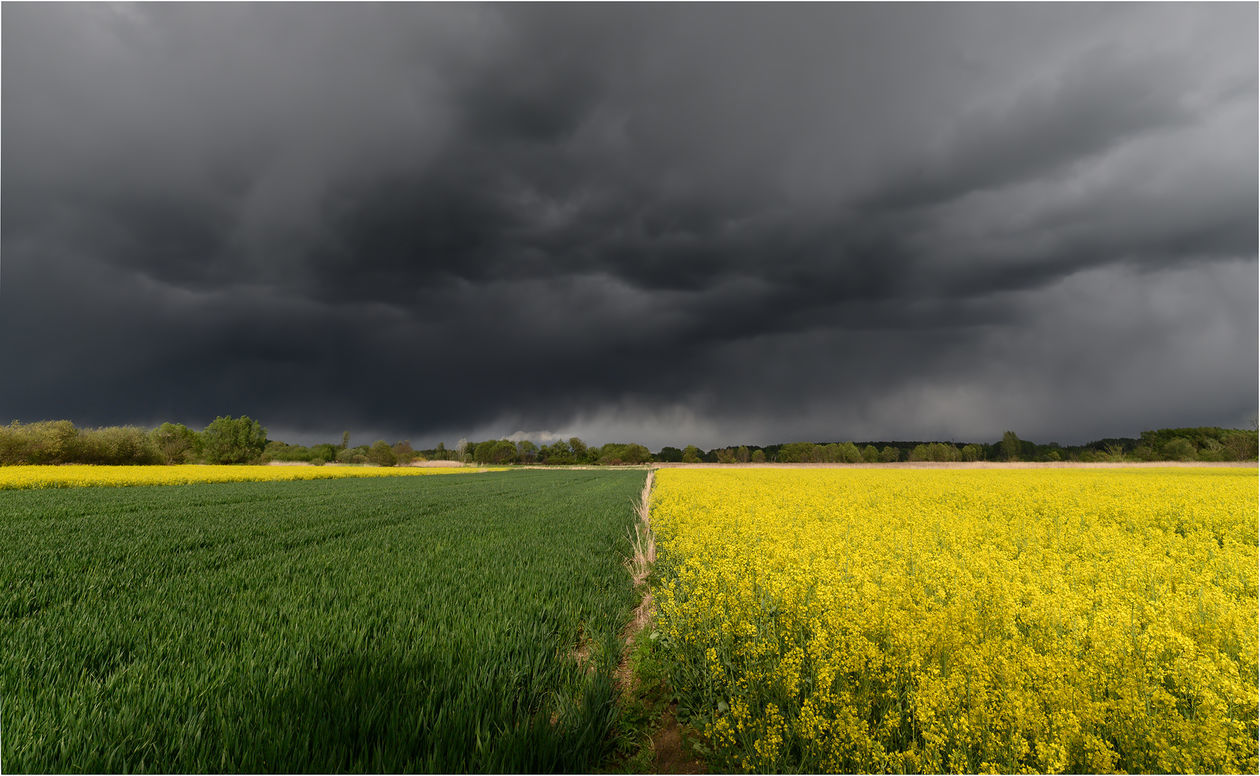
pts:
pixel 228 440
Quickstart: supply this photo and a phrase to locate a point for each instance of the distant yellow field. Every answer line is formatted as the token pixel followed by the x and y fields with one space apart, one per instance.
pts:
pixel 71 476
pixel 963 621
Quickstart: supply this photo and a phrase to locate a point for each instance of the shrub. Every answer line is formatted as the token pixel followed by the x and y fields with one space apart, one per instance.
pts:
pixel 404 453
pixel 44 442
pixel 936 451
pixel 117 446
pixel 176 443
pixel 381 454
pixel 1179 449
pixel 233 440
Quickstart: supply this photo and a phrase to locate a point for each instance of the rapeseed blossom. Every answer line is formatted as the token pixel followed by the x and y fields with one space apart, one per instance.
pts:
pixel 963 621
pixel 74 475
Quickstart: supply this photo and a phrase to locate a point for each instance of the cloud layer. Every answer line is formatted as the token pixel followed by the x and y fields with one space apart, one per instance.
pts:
pixel 671 224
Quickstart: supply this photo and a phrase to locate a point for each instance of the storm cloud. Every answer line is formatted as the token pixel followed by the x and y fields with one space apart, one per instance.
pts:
pixel 669 224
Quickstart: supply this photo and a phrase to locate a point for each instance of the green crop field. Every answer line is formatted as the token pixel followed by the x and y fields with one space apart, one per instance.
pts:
pixel 397 624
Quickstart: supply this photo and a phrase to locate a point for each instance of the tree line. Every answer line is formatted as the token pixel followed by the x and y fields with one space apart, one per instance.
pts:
pixel 225 440
pixel 228 440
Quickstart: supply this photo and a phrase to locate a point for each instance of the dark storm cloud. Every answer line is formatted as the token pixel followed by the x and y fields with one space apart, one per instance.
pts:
pixel 669 223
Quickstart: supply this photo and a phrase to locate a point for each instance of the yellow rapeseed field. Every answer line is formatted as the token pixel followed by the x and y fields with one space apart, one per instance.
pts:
pixel 69 476
pixel 963 621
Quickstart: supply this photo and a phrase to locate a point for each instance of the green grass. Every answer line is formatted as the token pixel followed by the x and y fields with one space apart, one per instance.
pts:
pixel 400 624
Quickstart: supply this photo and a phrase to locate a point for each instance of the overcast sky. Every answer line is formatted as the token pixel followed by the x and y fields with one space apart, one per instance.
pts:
pixel 706 224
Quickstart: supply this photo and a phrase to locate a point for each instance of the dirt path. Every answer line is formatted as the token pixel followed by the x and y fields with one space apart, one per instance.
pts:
pixel 669 740
pixel 640 564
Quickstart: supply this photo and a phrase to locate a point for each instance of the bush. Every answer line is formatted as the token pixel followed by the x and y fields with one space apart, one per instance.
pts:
pixel 381 454
pixel 670 455
pixel 117 446
pixel 176 443
pixel 45 442
pixel 936 451
pixel 233 440
pixel 1179 449
pixel 352 455
pixel 802 452
pixel 322 454
pixel 404 453
pixel 849 453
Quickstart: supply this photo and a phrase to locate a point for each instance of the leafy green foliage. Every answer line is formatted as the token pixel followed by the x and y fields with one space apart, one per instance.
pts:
pixel 381 454
pixel 936 451
pixel 233 440
pixel 397 625
pixel 176 443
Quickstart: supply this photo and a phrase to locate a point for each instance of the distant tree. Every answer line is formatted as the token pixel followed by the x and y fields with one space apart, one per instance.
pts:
pixel 345 439
pixel 483 452
pixel 1114 452
pixel 1179 449
pixel 233 440
pixel 439 452
pixel 849 453
pixel 527 451
pixel 558 453
pixel 1011 446
pixel 635 454
pixel 404 453
pixel 691 454
pixel 889 454
pixel 870 454
pixel 579 449
pixel 353 454
pixel 282 451
pixel 43 442
pixel 323 453
pixel 461 450
pixel 935 451
pixel 759 456
pixel 504 452
pixel 1240 445
pixel 381 454
pixel 802 452
pixel 118 446
pixel 725 455
pixel 972 452
pixel 741 454
pixel 670 455
pixel 176 443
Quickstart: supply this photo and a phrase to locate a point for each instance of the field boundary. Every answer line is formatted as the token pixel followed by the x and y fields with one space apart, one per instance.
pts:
pixel 643 548
pixel 976 465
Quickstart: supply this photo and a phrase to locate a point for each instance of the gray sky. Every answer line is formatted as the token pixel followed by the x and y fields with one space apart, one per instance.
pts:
pixel 670 224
